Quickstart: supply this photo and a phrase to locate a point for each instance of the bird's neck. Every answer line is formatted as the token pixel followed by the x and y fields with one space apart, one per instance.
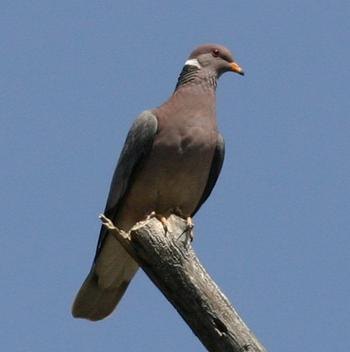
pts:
pixel 192 75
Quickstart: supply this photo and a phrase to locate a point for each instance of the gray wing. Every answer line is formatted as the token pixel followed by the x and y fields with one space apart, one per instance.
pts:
pixel 138 143
pixel 214 173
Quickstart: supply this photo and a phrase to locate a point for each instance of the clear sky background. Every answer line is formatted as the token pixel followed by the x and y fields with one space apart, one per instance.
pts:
pixel 274 234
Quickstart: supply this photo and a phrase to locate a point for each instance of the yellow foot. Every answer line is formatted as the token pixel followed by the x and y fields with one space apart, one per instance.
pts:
pixel 161 218
pixel 189 228
pixel 164 222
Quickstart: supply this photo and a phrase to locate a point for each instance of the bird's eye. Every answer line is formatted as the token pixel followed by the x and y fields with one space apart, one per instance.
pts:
pixel 215 52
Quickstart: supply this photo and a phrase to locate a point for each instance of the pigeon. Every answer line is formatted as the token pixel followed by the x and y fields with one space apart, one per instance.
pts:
pixel 169 164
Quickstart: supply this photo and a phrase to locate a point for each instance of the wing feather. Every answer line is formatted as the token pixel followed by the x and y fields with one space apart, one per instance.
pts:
pixel 137 145
pixel 214 173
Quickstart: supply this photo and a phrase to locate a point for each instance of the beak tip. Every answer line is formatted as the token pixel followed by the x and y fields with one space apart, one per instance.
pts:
pixel 236 68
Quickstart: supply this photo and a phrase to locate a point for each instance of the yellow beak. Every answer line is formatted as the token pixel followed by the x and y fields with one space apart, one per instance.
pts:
pixel 236 68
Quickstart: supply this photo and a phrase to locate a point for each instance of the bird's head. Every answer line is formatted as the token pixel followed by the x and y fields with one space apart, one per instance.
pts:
pixel 214 58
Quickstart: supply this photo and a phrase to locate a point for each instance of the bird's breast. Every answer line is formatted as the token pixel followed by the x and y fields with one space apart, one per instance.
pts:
pixel 174 175
pixel 180 163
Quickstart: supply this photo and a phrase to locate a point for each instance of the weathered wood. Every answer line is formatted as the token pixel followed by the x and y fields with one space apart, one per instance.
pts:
pixel 170 262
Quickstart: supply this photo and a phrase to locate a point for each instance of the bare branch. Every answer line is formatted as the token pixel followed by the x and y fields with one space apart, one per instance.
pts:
pixel 170 262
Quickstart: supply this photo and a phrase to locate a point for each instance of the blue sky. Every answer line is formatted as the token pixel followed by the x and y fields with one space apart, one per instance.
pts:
pixel 274 234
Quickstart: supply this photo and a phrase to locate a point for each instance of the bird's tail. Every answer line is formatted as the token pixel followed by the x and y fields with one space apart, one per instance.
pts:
pixel 106 283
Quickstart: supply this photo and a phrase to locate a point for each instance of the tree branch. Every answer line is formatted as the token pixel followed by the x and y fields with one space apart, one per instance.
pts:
pixel 170 262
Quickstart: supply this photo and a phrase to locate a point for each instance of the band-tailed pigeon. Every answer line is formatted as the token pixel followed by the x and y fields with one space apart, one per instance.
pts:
pixel 170 162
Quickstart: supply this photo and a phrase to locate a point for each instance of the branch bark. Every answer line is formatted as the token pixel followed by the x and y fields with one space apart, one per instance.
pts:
pixel 170 262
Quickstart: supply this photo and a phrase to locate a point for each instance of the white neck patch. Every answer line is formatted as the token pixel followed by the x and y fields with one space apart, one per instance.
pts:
pixel 193 62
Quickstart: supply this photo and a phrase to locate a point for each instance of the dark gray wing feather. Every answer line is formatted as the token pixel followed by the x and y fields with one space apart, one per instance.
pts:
pixel 138 143
pixel 214 173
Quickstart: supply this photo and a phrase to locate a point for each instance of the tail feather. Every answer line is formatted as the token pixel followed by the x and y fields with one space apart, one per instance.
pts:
pixel 95 303
pixel 106 283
